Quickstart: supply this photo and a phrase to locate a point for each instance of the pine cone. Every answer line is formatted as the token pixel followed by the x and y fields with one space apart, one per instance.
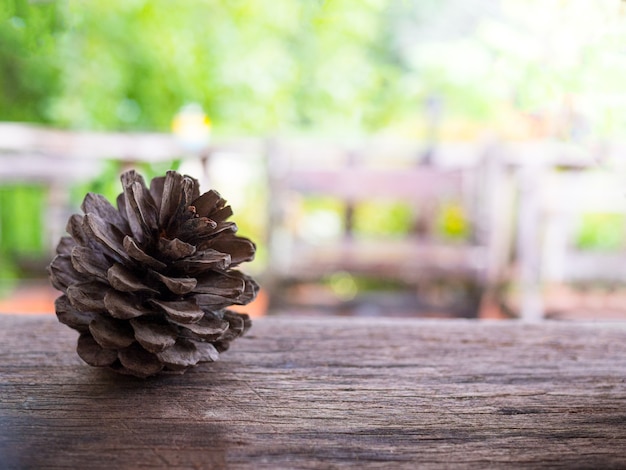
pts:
pixel 147 284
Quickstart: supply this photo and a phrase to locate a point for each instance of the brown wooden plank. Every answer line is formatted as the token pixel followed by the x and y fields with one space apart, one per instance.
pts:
pixel 326 393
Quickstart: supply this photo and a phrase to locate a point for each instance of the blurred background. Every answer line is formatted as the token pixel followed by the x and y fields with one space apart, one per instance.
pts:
pixel 431 158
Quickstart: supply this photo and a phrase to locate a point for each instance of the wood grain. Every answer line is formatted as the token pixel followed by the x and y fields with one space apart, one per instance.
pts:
pixel 326 393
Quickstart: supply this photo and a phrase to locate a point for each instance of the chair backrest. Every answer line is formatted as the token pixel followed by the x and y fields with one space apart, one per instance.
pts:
pixel 569 197
pixel 354 176
pixel 559 184
pixel 355 184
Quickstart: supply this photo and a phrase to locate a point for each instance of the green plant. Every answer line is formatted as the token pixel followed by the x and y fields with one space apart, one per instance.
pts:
pixel 601 231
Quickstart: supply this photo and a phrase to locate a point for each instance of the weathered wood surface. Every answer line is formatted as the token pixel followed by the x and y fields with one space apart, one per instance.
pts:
pixel 326 393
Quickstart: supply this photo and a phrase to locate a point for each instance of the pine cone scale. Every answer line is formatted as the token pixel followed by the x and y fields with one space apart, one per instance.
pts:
pixel 181 311
pixel 175 249
pixel 139 362
pixel 75 228
pixel 180 285
pixel 141 256
pixel 207 328
pixel 106 235
pixel 213 302
pixel 139 227
pixel 110 333
pixel 226 286
pixel 172 194
pixel 154 337
pixel 87 261
pixel 62 273
pixel 124 306
pixel 88 296
pixel 144 206
pixel 125 280
pixel 203 261
pixel 71 317
pixel 65 246
pixel 97 204
pixel 93 354
pixel 185 353
pixel 223 214
pixel 206 203
pixel 197 227
pixel 241 250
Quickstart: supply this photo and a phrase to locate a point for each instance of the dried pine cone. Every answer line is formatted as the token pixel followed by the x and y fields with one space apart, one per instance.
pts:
pixel 147 284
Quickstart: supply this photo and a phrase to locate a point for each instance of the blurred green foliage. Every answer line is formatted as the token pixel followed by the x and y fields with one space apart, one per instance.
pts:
pixel 18 227
pixel 261 66
pixel 30 69
pixel 22 230
pixel 603 231
pixel 255 66
pixel 380 219
pixel 452 221
pixel 383 219
pixel 340 67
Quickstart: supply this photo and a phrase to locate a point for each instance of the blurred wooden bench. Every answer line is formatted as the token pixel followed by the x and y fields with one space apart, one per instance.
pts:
pixel 479 189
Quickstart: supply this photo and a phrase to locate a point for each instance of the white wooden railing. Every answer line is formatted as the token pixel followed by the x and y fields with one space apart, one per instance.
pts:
pixel 58 158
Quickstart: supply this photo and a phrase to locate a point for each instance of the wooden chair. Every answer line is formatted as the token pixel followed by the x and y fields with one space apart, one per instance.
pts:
pixel 422 259
pixel 571 278
pixel 557 184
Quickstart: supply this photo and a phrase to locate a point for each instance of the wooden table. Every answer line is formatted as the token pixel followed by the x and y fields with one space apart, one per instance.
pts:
pixel 326 393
